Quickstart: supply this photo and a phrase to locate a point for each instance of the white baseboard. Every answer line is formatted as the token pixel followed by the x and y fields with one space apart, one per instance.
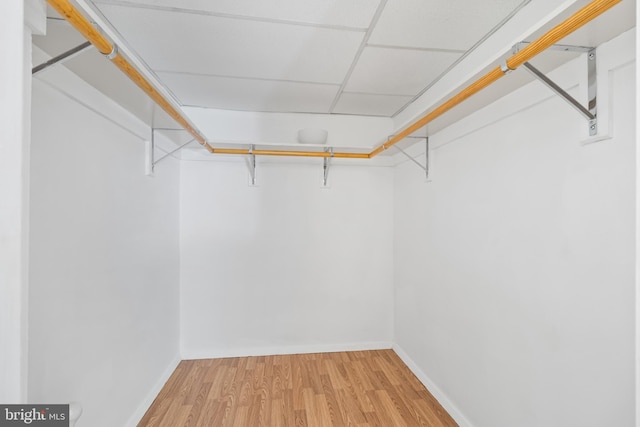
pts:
pixel 153 393
pixel 441 397
pixel 285 349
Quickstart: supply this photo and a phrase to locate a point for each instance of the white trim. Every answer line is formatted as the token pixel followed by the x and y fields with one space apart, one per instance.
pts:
pixel 284 349
pixel 35 16
pixel 153 393
pixel 14 203
pixel 637 236
pixel 433 388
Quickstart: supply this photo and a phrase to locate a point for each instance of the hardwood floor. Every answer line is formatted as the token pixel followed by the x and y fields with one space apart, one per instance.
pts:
pixel 364 388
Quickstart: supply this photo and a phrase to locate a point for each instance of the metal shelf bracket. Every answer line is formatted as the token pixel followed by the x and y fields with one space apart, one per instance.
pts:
pixel 172 151
pixel 251 162
pixel 151 161
pixel 63 57
pixel 424 167
pixel 591 111
pixel 326 166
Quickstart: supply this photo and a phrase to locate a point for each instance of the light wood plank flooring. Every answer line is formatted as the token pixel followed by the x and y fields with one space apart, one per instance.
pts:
pixel 364 388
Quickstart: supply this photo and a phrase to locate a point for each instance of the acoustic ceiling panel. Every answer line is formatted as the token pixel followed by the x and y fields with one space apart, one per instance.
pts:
pixel 351 13
pixel 451 24
pixel 302 56
pixel 372 105
pixel 205 44
pixel 250 95
pixel 397 71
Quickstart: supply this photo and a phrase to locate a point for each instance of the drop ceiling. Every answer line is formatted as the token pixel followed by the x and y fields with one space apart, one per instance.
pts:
pixel 308 57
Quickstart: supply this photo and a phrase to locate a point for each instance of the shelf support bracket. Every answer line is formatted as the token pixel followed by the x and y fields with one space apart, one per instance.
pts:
pixel 171 152
pixel 150 152
pixel 326 166
pixel 151 161
pixel 252 166
pixel 589 112
pixel 424 167
pixel 63 57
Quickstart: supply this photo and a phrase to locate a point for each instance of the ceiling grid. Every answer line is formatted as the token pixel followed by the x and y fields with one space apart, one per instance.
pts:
pixel 307 61
pixel 248 57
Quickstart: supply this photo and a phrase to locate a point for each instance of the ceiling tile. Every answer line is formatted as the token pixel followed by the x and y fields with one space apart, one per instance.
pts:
pixel 203 44
pixel 618 20
pixel 351 13
pixel 370 105
pixel 397 71
pixel 441 24
pixel 248 94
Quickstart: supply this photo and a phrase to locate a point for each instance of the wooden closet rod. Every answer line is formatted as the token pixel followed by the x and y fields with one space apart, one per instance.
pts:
pixel 104 46
pixel 575 21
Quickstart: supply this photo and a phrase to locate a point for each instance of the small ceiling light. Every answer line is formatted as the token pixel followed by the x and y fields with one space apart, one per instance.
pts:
pixel 312 136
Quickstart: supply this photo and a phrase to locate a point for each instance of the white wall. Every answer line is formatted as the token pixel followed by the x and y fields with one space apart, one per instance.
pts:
pixel 248 127
pixel 26 18
pixel 13 185
pixel 514 267
pixel 104 257
pixel 637 236
pixel 286 266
